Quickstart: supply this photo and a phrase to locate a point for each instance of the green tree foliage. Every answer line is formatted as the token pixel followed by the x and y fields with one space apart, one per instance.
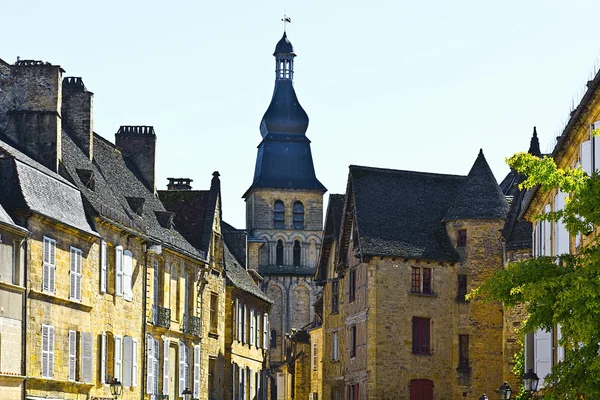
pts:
pixel 561 290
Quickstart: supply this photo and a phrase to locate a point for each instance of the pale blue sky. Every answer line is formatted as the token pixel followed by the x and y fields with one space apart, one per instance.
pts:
pixel 395 84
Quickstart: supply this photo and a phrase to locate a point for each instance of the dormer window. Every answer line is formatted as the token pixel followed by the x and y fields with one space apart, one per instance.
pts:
pixel 86 176
pixel 279 215
pixel 298 215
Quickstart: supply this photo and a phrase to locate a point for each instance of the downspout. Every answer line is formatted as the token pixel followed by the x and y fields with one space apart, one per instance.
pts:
pixel 25 305
pixel 144 330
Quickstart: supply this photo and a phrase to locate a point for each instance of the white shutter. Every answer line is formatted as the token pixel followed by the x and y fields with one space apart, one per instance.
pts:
pixel 585 156
pixel 258 379
pixel 118 359
pixel 265 331
pixel 334 346
pixel 560 350
pixel 236 317
pixel 314 355
pixel 258 332
pixel 165 366
pixel 72 275
pixel 119 270
pixel 134 363
pixel 240 321
pixel 547 233
pixel 181 368
pixel 50 351
pixel 245 383
pixel 561 235
pixel 103 266
pixel 241 382
pixel 72 355
pixel 103 355
pixel 49 266
pixel 47 351
pixel 245 325
pixel 234 380
pixel 127 274
pixel 86 357
pixel 149 364
pixel 251 382
pixel 196 371
pixel 252 331
pixel 542 354
pixel 155 366
pixel 127 360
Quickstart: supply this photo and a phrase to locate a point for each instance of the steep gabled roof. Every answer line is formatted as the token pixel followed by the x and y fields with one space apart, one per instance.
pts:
pixel 400 213
pixel 480 196
pixel 238 277
pixel 333 221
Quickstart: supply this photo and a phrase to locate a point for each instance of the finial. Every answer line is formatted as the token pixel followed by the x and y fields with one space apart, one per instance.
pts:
pixel 286 20
pixel 480 151
pixel 534 132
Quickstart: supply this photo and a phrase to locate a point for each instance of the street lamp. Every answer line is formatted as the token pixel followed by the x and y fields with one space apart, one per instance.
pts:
pixel 116 388
pixel 530 381
pixel 483 397
pixel 187 394
pixel 505 391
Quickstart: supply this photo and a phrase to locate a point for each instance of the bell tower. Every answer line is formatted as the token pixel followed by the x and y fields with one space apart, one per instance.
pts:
pixel 284 207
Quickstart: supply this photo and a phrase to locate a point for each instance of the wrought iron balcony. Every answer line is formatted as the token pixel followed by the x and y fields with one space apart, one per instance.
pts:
pixel 162 317
pixel 192 325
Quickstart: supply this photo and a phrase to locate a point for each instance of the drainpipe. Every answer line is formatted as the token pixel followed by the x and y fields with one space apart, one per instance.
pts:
pixel 24 312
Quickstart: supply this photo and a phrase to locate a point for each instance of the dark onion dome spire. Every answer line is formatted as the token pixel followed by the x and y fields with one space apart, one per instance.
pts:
pixel 284 159
pixel 534 145
pixel 480 196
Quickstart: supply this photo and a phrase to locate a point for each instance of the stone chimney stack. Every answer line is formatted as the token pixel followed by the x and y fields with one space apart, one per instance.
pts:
pixel 179 184
pixel 30 108
pixel 138 143
pixel 77 114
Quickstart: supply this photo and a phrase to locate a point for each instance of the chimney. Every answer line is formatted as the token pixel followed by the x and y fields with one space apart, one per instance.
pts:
pixel 30 110
pixel 139 145
pixel 179 184
pixel 77 114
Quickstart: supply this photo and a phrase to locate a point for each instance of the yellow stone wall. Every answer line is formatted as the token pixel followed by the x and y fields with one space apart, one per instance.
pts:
pixel 316 375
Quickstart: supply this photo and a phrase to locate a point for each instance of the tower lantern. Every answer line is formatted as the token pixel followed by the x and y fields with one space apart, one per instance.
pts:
pixel 284 59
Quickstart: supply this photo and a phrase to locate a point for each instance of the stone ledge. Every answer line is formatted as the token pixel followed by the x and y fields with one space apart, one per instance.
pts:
pixel 34 294
pixel 10 286
pixel 12 377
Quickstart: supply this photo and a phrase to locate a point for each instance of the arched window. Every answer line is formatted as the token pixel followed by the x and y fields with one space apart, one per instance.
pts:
pixel 279 253
pixel 297 250
pixel 279 215
pixel 298 215
pixel 273 338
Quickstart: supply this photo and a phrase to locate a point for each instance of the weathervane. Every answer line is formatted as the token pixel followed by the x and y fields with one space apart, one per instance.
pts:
pixel 286 20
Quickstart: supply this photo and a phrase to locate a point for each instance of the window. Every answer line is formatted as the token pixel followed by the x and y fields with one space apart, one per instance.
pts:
pixel 240 321
pixel 166 347
pixel 352 285
pixel 118 358
pixel 245 331
pixel 273 338
pixel 47 351
pixel 420 335
pixel 258 332
pixel 421 280
pixel 103 359
pixel 279 215
pixel 252 327
pixel 119 270
pixel 265 330
pixel 335 348
pixel 461 239
pixel 130 367
pixel 314 356
pixel 297 253
pixel 352 341
pixel 49 266
pixel 462 289
pixel 75 274
pixel 298 215
pixel 127 275
pixel 279 253
pixel 152 358
pixel 103 266
pixel 463 351
pixel 80 348
pixel 72 355
pixel 214 313
pixel 184 367
pixel 353 392
pixel 335 299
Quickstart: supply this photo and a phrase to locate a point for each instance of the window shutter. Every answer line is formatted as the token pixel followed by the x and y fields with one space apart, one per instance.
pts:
pixel 155 368
pixel 72 293
pixel 103 355
pixel 72 355
pixel 234 381
pixel 165 366
pixel 127 360
pixel 258 385
pixel 542 354
pixel 47 351
pixel 86 357
pixel 118 360
pixel 252 331
pixel 149 364
pixel 181 368
pixel 560 350
pixel 50 351
pixel 585 156
pixel 119 271
pixel 127 273
pixel 241 383
pixel 314 355
pixel 235 319
pixel 240 319
pixel 245 382
pixel 265 331
pixel 561 234
pixel 155 314
pixel 257 332
pixel 134 363
pixel 103 266
pixel 251 382
pixel 197 371
pixel 547 232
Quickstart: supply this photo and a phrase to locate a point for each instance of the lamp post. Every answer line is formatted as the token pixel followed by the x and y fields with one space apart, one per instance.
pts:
pixel 187 394
pixel 483 397
pixel 116 388
pixel 505 391
pixel 530 381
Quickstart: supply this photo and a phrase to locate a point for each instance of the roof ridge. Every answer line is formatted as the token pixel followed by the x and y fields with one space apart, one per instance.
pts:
pixel 391 170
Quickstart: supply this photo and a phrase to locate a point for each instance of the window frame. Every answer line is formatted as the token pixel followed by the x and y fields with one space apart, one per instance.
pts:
pixel 463 352
pixel 461 290
pixel 49 265
pixel 352 338
pixel 298 215
pixel 297 253
pixel 421 336
pixel 352 285
pixel 278 215
pixel 214 313
pixel 335 297
pixel 421 280
pixel 279 253
pixel 461 238
pixel 335 346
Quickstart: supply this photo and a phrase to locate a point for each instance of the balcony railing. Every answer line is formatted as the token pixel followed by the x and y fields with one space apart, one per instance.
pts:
pixel 162 317
pixel 192 325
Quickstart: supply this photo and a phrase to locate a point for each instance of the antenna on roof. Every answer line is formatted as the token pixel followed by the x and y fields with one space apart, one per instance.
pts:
pixel 286 20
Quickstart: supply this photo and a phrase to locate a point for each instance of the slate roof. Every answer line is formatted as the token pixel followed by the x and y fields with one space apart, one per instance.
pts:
pixel 6 220
pixel 331 231
pixel 284 45
pixel 238 277
pixel 113 184
pixel 400 213
pixel 27 184
pixel 237 241
pixel 480 197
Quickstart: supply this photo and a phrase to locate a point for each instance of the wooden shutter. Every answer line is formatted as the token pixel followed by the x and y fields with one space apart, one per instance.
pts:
pixel 314 355
pixel 165 366
pixel 245 325
pixel 245 382
pixel 86 357
pixel 585 155
pixel 197 371
pixel 134 363
pixel 47 351
pixel 561 235
pixel 103 266
pixel 119 270
pixel 103 357
pixel 560 350
pixel 542 354
pixel 72 355
pixel 234 380
pixel 258 332
pixel 155 367
pixel 127 360
pixel 252 331
pixel 250 383
pixel 258 379
pixel 118 358
pixel 72 275
pixel 181 368
pixel 334 346
pixel 240 319
pixel 235 319
pixel 127 275
pixel 49 266
pixel 150 364
pixel 265 331
pixel 547 232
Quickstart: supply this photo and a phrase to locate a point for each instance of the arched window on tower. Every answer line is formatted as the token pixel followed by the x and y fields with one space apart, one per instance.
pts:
pixel 279 253
pixel 298 215
pixel 297 252
pixel 278 215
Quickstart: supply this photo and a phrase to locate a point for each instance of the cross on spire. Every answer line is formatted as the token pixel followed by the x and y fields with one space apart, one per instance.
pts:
pixel 286 20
